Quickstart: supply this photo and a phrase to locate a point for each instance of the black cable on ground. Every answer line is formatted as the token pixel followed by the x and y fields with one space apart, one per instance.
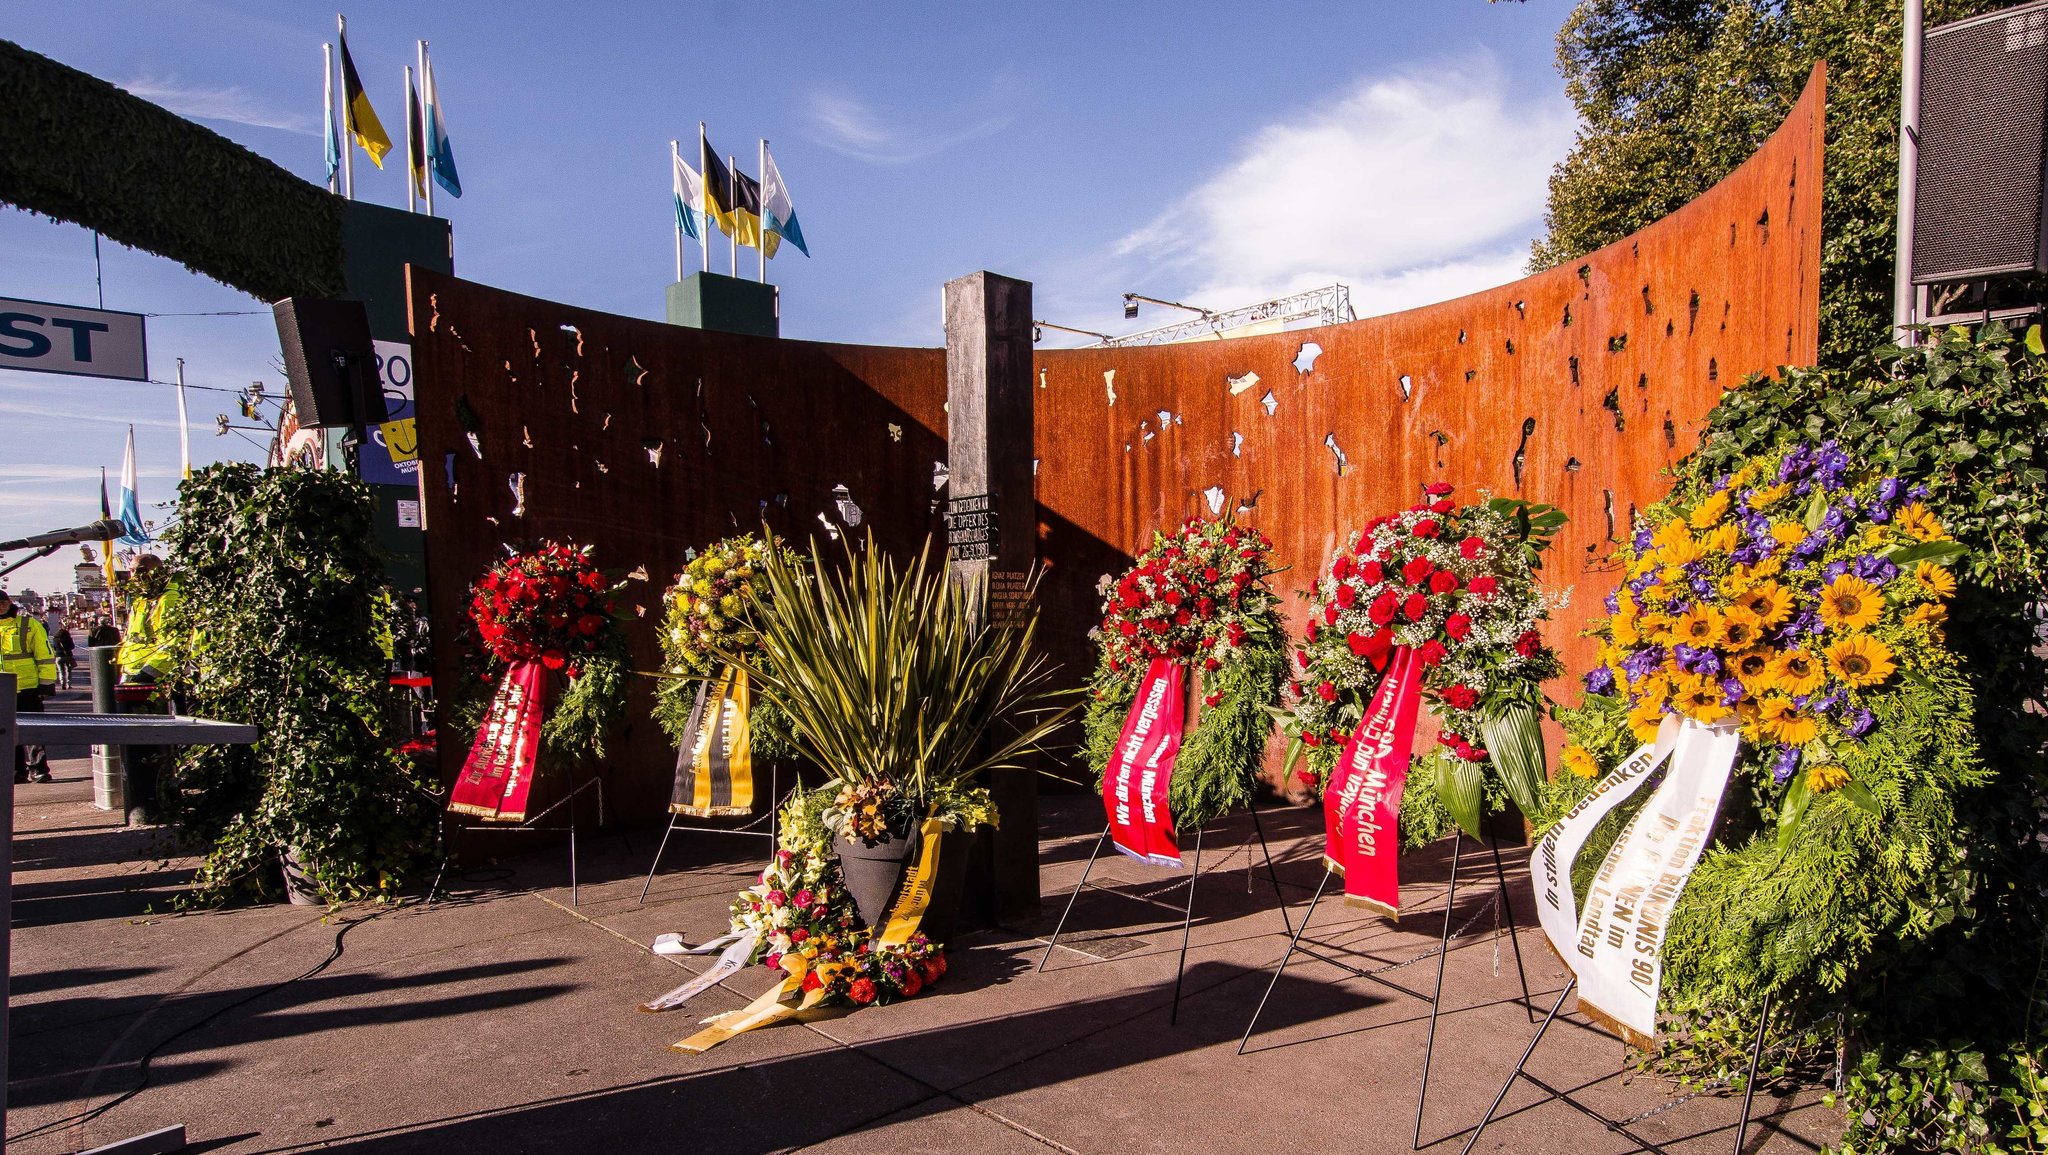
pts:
pixel 88 1116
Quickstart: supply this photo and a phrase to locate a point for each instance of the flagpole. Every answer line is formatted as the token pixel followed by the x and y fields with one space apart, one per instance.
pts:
pixel 327 84
pixel 426 141
pixel 184 430
pixel 703 226
pixel 732 201
pixel 412 163
pixel 675 157
pixel 761 231
pixel 348 124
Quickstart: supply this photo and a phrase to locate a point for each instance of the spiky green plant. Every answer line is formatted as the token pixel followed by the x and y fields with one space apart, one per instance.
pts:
pixel 893 676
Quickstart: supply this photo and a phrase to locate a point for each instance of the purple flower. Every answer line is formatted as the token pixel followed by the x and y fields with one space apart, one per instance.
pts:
pixel 1889 489
pixel 1797 463
pixel 1600 680
pixel 1643 538
pixel 1876 570
pixel 1640 664
pixel 1703 586
pixel 1830 466
pixel 1833 570
pixel 1731 691
pixel 1788 761
pixel 1697 659
pixel 1860 723
pixel 1917 493
pixel 1824 704
pixel 1613 602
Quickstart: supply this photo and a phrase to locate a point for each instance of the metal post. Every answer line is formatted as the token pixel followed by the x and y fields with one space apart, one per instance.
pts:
pixel 1763 1019
pixel 109 769
pixel 1436 1000
pixel 1078 887
pixel 1187 922
pixel 184 428
pixel 761 213
pixel 1507 905
pixel 656 864
pixel 348 122
pixel 412 163
pixel 1903 297
pixel 1562 995
pixel 1271 872
pixel 426 141
pixel 732 201
pixel 327 86
pixel 10 738
pixel 675 158
pixel 1280 969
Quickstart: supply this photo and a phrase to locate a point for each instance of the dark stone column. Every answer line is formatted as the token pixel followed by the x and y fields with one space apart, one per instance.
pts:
pixel 992 520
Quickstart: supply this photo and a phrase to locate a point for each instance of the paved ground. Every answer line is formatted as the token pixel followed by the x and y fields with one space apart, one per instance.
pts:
pixel 504 1020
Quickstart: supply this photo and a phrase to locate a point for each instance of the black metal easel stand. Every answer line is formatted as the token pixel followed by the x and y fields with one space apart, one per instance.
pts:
pixel 774 811
pixel 1442 956
pixel 1187 915
pixel 570 800
pixel 1748 1088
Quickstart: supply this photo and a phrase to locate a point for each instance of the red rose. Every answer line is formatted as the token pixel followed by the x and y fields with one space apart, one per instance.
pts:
pixel 1441 507
pixel 1210 574
pixel 1426 528
pixel 1311 629
pixel 1358 642
pixel 1210 663
pixel 1206 607
pixel 1301 657
pixel 1236 632
pixel 1308 738
pixel 1416 570
pixel 1156 625
pixel 861 991
pixel 1330 614
pixel 1173 597
pixel 912 984
pixel 1415 607
pixel 1529 644
pixel 1457 626
pixel 1127 628
pixel 1377 646
pixel 1430 653
pixel 1442 582
pixel 1471 548
pixel 1484 585
pixel 812 981
pixel 1211 699
pixel 1346 595
pixel 589 624
pixel 1462 697
pixel 1327 692
pixel 1341 568
pixel 1437 488
pixel 1383 608
pixel 1182 618
pixel 553 659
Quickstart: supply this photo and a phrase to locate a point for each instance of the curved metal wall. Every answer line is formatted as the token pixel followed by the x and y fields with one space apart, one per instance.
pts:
pixel 1577 386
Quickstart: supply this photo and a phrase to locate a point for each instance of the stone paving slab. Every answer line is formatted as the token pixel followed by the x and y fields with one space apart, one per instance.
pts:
pixel 501 1018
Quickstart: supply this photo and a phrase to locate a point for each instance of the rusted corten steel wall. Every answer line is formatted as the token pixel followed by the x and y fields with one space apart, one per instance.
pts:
pixel 576 405
pixel 1577 386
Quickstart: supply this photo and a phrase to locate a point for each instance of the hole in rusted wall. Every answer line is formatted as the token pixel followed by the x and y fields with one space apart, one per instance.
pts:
pixel 1574 362
pixel 1567 316
pixel 1343 462
pixel 1586 274
pixel 1692 311
pixel 1617 343
pixel 1648 307
pixel 1511 346
pixel 1522 450
pixel 1305 358
pixel 1442 439
pixel 1612 403
pixel 1571 465
pixel 1670 328
pixel 1670 432
pixel 1471 373
pixel 1643 382
pixel 1461 336
pixel 1407 387
pixel 1607 504
pixel 1713 369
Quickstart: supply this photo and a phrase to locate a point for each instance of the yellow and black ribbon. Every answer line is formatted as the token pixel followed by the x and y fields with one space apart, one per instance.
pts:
pixel 715 772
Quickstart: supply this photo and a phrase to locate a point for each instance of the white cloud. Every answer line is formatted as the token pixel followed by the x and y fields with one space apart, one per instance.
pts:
pixel 1411 188
pixel 857 129
pixel 231 104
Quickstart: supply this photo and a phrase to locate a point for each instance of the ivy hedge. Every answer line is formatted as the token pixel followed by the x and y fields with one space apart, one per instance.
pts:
pixel 75 148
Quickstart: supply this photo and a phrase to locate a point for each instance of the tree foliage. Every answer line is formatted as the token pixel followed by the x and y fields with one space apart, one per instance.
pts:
pixel 286 607
pixel 1673 94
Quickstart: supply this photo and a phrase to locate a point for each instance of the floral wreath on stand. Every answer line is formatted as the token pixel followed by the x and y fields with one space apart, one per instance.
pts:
pixel 1791 598
pixel 552 605
pixel 1457 585
pixel 708 611
pixel 1201 595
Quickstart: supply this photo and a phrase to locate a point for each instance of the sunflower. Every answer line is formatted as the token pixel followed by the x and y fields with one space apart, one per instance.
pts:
pixel 1935 579
pixel 1768 496
pixel 1825 777
pixel 1861 660
pixel 1681 553
pixel 1699 698
pixel 1752 720
pixel 1768 567
pixel 1788 532
pixel 1708 513
pixel 1754 668
pixel 1920 524
pixel 1643 718
pixel 1701 626
pixel 1723 538
pixel 1770 602
pixel 1796 672
pixel 1655 628
pixel 1579 761
pixel 1850 603
pixel 1740 628
pixel 1930 614
pixel 1673 532
pixel 1783 721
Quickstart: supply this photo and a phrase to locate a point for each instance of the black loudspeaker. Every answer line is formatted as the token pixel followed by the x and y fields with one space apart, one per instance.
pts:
pixel 329 361
pixel 1980 210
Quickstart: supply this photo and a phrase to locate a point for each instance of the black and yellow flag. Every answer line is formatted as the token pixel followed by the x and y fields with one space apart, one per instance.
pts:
pixel 746 209
pixel 415 142
pixel 718 196
pixel 359 120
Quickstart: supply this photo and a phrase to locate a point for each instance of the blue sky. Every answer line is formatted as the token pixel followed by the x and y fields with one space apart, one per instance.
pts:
pixel 1206 152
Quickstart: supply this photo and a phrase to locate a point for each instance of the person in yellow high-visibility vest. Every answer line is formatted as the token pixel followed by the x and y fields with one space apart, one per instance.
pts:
pixel 25 653
pixel 147 653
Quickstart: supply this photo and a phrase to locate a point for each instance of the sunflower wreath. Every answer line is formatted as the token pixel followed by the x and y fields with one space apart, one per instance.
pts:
pixel 712 608
pixel 1201 595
